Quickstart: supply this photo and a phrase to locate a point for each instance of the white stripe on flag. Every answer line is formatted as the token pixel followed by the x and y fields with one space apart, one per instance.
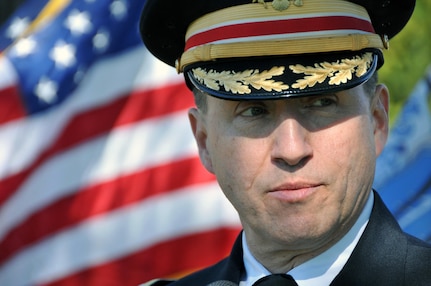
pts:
pixel 105 81
pixel 194 209
pixel 124 151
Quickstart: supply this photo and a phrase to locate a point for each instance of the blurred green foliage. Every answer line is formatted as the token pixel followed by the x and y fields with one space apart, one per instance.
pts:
pixel 408 57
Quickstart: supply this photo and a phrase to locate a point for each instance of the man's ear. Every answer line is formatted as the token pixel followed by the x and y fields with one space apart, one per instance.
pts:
pixel 380 111
pixel 199 128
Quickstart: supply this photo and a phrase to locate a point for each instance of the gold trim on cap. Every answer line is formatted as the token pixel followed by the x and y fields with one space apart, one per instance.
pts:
pixel 206 53
pixel 281 5
pixel 255 11
pixel 278 46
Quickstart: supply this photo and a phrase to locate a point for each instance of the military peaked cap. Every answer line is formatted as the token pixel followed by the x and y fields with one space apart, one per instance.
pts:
pixel 256 49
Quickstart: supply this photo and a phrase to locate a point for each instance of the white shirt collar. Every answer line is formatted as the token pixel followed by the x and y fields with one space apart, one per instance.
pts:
pixel 320 270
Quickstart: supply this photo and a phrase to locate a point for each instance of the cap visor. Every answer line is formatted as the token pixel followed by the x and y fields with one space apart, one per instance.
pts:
pixel 282 77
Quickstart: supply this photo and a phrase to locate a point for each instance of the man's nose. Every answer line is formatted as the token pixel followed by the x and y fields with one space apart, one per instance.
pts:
pixel 291 143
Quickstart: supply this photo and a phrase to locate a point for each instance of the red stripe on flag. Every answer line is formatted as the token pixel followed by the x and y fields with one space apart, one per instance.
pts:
pixel 279 27
pixel 202 249
pixel 102 198
pixel 140 105
pixel 11 104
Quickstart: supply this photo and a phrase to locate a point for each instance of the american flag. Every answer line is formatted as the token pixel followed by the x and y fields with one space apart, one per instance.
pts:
pixel 100 182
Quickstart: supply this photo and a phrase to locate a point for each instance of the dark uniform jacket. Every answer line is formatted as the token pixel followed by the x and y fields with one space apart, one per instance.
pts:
pixel 384 256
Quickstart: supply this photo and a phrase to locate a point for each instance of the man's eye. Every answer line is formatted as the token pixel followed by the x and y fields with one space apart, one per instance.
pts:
pixel 322 102
pixel 254 111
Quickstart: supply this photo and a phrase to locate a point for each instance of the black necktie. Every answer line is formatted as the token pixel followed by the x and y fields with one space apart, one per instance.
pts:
pixel 276 280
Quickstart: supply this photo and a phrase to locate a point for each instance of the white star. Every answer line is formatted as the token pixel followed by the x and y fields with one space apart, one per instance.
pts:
pixel 63 54
pixel 101 40
pixel 78 22
pixel 24 47
pixel 118 9
pixel 17 27
pixel 46 90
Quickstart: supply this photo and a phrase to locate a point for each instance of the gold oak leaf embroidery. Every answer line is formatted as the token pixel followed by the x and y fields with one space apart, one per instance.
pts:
pixel 240 82
pixel 280 5
pixel 338 72
pixel 260 1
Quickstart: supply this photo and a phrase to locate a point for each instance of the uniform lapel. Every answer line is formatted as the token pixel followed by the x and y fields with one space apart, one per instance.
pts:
pixel 233 269
pixel 226 272
pixel 382 248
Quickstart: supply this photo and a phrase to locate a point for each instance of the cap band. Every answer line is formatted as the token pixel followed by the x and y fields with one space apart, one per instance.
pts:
pixel 253 30
pixel 278 48
pixel 255 12
pixel 270 26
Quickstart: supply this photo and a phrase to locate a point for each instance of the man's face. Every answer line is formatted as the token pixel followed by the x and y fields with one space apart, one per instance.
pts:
pixel 297 170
